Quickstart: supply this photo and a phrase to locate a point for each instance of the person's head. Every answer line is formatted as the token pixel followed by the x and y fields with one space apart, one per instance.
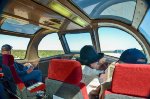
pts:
pixel 6 49
pixel 89 56
pixel 133 56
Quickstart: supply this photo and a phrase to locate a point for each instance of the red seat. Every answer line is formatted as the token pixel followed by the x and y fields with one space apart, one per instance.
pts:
pixel 130 80
pixel 9 61
pixel 64 78
pixel 20 90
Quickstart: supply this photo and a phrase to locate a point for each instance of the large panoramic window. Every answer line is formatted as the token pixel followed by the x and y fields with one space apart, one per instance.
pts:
pixel 19 45
pixel 50 46
pixel 145 26
pixel 114 41
pixel 77 41
pixel 18 26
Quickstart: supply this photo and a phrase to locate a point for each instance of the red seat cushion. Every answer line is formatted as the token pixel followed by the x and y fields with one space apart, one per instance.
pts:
pixel 131 79
pixel 68 71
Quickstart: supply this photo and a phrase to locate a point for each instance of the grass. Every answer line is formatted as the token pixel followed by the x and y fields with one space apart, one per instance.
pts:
pixel 20 54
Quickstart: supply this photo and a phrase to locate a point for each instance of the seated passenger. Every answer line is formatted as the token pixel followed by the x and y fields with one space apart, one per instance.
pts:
pixel 2 91
pixel 25 73
pixel 93 66
pixel 131 56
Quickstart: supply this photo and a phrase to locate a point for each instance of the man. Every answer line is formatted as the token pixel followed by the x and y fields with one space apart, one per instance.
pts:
pixel 93 64
pixel 130 56
pixel 25 73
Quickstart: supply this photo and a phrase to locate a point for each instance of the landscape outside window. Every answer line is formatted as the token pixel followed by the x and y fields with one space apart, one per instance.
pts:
pixel 19 45
pixel 77 41
pixel 114 41
pixel 50 46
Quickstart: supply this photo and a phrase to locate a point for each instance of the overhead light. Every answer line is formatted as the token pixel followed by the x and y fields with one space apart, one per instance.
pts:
pixel 60 9
pixel 80 21
pixel 56 6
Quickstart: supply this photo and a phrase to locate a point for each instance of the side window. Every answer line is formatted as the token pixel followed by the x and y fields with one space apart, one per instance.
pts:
pixel 50 46
pixel 145 25
pixel 114 41
pixel 19 45
pixel 77 41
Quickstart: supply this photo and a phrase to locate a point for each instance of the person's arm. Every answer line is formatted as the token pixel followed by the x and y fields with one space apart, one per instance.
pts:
pixel 20 72
pixel 91 72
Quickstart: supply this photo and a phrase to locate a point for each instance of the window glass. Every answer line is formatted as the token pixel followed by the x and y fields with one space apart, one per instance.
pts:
pixel 19 45
pixel 50 46
pixel 18 26
pixel 145 25
pixel 114 9
pixel 114 41
pixel 77 41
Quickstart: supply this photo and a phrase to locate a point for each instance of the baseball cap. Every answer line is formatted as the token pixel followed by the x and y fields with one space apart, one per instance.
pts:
pixel 89 55
pixel 133 56
pixel 6 47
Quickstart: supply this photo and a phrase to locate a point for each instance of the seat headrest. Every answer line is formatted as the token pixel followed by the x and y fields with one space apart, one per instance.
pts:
pixel 63 70
pixel 131 79
pixel 8 59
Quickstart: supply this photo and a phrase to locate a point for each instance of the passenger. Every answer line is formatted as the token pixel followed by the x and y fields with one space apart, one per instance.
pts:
pixel 131 56
pixel 93 64
pixel 2 91
pixel 25 73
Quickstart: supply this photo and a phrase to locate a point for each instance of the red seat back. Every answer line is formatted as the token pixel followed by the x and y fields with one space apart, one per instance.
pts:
pixel 68 71
pixel 131 79
pixel 9 61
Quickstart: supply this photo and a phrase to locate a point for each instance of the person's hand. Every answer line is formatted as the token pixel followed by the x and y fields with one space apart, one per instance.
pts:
pixel 27 64
pixel 103 64
pixel 30 70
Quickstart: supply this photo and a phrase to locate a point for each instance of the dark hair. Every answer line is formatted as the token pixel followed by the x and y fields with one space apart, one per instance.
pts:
pixel 6 47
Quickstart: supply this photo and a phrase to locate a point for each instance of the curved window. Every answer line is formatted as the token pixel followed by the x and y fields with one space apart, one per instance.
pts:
pixel 50 46
pixel 145 25
pixel 19 45
pixel 114 41
pixel 122 10
pixel 77 41
pixel 18 26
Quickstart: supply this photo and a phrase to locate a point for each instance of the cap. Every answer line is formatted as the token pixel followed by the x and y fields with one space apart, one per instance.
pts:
pixel 133 56
pixel 89 55
pixel 6 47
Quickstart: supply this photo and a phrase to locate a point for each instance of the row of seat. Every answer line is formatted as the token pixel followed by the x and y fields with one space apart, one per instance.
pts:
pixel 64 81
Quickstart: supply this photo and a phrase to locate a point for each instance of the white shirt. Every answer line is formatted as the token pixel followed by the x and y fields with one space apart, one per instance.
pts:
pixel 90 77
